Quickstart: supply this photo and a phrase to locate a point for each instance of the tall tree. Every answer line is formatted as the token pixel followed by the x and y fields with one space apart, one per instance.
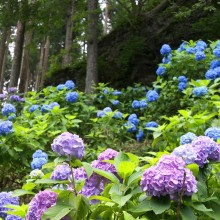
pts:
pixel 92 46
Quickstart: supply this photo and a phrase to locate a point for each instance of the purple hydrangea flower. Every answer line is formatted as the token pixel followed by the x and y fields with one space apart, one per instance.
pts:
pixel 152 96
pixel 68 144
pixel 6 199
pixel 108 154
pixel 200 55
pixel 12 89
pixel 107 109
pixel 140 135
pixel 200 91
pixel 61 172
pixel 72 97
pixel 160 71
pixel 182 86
pixel 187 138
pixel 15 98
pixel 6 127
pixel 60 87
pixel 40 203
pixel 133 119
pixel 135 104
pixel 216 52
pixel 33 108
pixel 69 84
pixel 8 109
pixel 211 74
pixel 3 96
pixel 213 133
pixel 214 64
pixel 166 178
pixel 182 79
pixel 165 49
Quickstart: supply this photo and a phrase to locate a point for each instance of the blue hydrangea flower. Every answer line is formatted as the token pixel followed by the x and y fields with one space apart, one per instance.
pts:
pixel 217 70
pixel 143 104
pixel 40 154
pixel 13 217
pixel 200 55
pixel 33 108
pixel 216 52
pixel 12 117
pixel 182 79
pixel 167 59
pixel 6 127
pixel 160 71
pixel 115 102
pixel 116 92
pixel 182 46
pixel 190 50
pixel 151 124
pixel 211 74
pixel 214 64
pixel 130 127
pixel 133 119
pixel 140 135
pixel 37 163
pixel 200 91
pixel 60 87
pixel 53 104
pixel 105 91
pixel 107 109
pixel 213 133
pixel 8 109
pixel 6 199
pixel 165 49
pixel 201 45
pixel 72 97
pixel 69 84
pixel 135 104
pixel 217 44
pixel 152 96
pixel 187 138
pixel 100 114
pixel 118 115
pixel 45 108
pixel 181 86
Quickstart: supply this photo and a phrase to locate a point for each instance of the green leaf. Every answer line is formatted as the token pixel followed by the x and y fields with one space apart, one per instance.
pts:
pixel 50 181
pixel 107 175
pixel 21 192
pixel 56 212
pixel 88 168
pixel 29 186
pixel 120 200
pixel 142 207
pixel 200 207
pixel 160 205
pixel 184 113
pixel 194 168
pixel 128 216
pixel 101 198
pixel 126 168
pixel 135 177
pixel 187 213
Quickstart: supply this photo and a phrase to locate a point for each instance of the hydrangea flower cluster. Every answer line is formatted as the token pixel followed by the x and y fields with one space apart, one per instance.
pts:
pixel 33 108
pixel 12 90
pixel 61 172
pixel 36 174
pixel 182 83
pixel 167 59
pixel 15 98
pixel 214 64
pixel 211 74
pixel 167 178
pixel 6 127
pixel 216 51
pixel 115 102
pixel 213 133
pixel 200 55
pixel 40 203
pixel 69 84
pixel 13 217
pixel 39 159
pixel 200 91
pixel 3 96
pixel 161 70
pixel 117 93
pixel 140 135
pixel 165 49
pixel 8 109
pixel 72 97
pixel 104 112
pixel 139 104
pixel 118 115
pixel 152 96
pixel 151 124
pixel 68 144
pixel 47 108
pixel 6 199
pixel 187 138
pixel 60 87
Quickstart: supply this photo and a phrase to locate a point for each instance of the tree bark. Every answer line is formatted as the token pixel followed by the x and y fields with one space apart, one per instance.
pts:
pixel 16 65
pixel 25 62
pixel 106 18
pixel 67 58
pixel 92 46
pixel 39 69
pixel 3 54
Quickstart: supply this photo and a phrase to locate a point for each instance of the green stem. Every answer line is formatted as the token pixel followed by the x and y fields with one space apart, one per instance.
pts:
pixel 72 177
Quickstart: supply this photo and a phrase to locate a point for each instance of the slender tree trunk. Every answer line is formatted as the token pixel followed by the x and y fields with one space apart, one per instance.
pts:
pixel 16 64
pixel 25 62
pixel 67 58
pixel 39 69
pixel 3 54
pixel 92 46
pixel 106 18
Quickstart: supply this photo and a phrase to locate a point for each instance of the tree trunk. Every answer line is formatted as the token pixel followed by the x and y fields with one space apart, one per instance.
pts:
pixel 106 18
pixel 25 62
pixel 16 65
pixel 39 69
pixel 92 46
pixel 3 54
pixel 67 58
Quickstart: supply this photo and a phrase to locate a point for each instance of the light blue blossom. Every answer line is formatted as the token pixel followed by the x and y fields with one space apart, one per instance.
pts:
pixel 200 55
pixel 152 96
pixel 133 119
pixel 211 74
pixel 213 133
pixel 60 87
pixel 200 91
pixel 182 79
pixel 165 49
pixel 33 108
pixel 69 84
pixel 187 138
pixel 214 64
pixel 140 135
pixel 72 97
pixel 182 86
pixel 216 52
pixel 135 104
pixel 8 109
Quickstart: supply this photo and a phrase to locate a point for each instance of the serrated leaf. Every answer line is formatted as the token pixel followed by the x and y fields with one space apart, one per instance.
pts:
pixel 160 204
pixel 135 177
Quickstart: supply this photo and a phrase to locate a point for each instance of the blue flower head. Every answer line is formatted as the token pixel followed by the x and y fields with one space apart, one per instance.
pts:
pixel 60 87
pixel 100 114
pixel 190 50
pixel 15 98
pixel 105 91
pixel 6 127
pixel 45 108
pixel 181 86
pixel 140 135
pixel 107 109
pixel 69 84
pixel 152 96
pixel 167 59
pixel 12 117
pixel 199 55
pixel 116 92
pixel 214 64
pixel 118 115
pixel 182 79
pixel 151 124
pixel 133 119
pixel 115 102
pixel 135 104
pixel 200 91
pixel 201 45
pixel 213 133
pixel 33 108
pixel 72 97
pixel 187 138
pixel 8 109
pixel 218 44
pixel 160 71
pixel 216 52
pixel 53 104
pixel 37 163
pixel 130 127
pixel 217 70
pixel 40 154
pixel 182 47
pixel 165 49
pixel 143 104
pixel 211 74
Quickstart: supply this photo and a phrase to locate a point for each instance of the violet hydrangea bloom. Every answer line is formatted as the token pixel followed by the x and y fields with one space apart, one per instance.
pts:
pixel 187 138
pixel 15 98
pixel 68 144
pixel 6 199
pixel 12 89
pixel 40 203
pixel 213 133
pixel 3 96
pixel 166 178
pixel 13 217
pixel 61 172
pixel 108 154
